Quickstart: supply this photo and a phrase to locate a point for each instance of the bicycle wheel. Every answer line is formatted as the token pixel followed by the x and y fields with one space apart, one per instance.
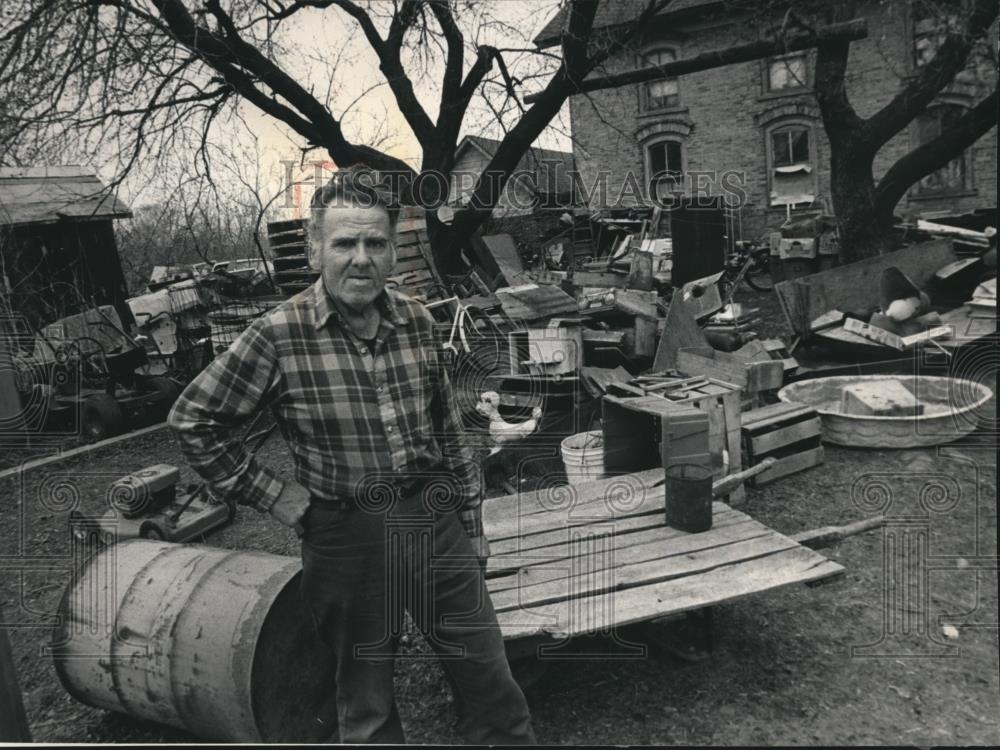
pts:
pixel 758 275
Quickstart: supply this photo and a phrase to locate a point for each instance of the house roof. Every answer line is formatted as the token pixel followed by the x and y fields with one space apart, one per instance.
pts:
pixel 43 195
pixel 613 13
pixel 551 167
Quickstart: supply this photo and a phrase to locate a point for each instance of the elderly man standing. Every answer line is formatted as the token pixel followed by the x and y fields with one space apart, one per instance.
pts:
pixel 386 498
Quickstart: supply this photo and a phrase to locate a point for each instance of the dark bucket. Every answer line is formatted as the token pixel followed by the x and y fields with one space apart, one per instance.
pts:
pixel 688 501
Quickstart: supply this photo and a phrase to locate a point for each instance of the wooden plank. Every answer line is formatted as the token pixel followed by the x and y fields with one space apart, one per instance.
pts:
pixel 769 441
pixel 640 275
pixel 553 544
pixel 600 279
pixel 874 333
pixel 501 514
pixel 702 296
pixel 731 405
pixel 718 586
pixel 790 465
pixel 703 361
pixel 766 415
pixel 854 288
pixel 410 264
pixel 411 239
pixel 657 542
pixel 680 330
pixel 80 451
pixel 689 561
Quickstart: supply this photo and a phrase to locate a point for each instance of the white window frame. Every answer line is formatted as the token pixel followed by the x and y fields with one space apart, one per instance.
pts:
pixel 784 127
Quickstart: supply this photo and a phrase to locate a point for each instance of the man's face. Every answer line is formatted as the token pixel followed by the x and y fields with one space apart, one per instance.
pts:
pixel 355 254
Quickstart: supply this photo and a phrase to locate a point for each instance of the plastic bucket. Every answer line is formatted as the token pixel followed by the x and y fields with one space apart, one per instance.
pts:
pixel 583 456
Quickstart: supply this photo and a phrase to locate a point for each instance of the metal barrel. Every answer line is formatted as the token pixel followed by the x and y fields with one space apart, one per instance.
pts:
pixel 213 641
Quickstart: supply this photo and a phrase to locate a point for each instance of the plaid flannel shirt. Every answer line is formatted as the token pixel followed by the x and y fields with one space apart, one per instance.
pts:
pixel 353 419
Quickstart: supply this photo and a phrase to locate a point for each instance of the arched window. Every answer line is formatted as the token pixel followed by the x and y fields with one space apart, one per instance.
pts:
pixel 791 164
pixel 951 178
pixel 662 93
pixel 665 167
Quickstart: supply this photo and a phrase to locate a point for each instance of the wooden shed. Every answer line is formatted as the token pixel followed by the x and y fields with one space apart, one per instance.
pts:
pixel 58 254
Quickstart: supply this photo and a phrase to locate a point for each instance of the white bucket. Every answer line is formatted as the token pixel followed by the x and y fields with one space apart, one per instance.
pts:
pixel 583 456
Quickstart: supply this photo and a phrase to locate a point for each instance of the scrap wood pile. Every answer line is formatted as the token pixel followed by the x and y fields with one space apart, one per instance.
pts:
pixel 886 306
pixel 661 362
pixel 649 358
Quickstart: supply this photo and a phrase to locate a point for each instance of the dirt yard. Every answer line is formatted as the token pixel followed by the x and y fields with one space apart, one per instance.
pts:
pixel 853 661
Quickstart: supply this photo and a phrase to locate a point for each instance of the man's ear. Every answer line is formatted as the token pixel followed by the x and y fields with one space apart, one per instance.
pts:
pixel 312 256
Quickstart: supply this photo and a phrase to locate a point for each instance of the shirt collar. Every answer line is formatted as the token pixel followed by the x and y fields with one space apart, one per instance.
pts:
pixel 390 308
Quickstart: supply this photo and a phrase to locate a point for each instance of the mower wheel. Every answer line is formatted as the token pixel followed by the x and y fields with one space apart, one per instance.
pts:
pixel 102 417
pixel 152 531
pixel 165 388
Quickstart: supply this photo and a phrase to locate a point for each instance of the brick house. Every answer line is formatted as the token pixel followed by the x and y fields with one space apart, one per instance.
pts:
pixel 752 132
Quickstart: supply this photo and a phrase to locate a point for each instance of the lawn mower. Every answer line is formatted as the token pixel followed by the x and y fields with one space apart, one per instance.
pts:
pixel 108 389
pixel 148 504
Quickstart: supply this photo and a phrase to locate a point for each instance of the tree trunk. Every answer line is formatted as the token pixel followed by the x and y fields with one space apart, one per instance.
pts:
pixel 864 230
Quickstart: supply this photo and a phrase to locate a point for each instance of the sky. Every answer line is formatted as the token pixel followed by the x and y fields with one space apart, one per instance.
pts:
pixel 315 39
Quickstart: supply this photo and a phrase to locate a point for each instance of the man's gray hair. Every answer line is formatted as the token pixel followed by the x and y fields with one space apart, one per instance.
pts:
pixel 351 187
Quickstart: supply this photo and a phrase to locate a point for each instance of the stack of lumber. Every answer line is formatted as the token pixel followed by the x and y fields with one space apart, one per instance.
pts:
pixel 414 273
pixel 289 246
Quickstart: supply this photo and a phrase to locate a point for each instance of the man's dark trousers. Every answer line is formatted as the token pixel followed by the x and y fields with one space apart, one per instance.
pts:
pixel 361 568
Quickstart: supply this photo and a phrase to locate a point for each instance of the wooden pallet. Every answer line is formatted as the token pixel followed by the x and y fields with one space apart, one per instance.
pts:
pixel 607 559
pixel 789 433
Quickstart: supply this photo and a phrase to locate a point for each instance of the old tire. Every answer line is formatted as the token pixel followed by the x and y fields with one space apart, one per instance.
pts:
pixel 102 417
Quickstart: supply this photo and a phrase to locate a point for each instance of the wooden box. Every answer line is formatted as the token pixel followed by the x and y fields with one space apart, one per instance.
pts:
pixel 789 433
pixel 556 349
pixel 799 247
pixel 752 377
pixel 648 431
pixel 719 400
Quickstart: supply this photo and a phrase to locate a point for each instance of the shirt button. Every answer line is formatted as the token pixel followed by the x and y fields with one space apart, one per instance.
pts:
pixel 363 350
pixel 389 428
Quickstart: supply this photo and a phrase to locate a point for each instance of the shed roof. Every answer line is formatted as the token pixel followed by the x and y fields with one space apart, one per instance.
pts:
pixel 552 168
pixel 43 195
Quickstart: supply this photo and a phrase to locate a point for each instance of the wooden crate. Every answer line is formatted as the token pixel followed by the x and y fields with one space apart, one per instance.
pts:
pixel 648 431
pixel 789 433
pixel 752 377
pixel 719 399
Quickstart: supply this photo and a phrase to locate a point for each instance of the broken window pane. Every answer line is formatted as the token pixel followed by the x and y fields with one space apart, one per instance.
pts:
pixel 663 92
pixel 787 72
pixel 792 177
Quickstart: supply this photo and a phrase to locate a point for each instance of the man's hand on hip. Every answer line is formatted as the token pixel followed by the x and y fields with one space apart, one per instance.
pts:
pixel 291 505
